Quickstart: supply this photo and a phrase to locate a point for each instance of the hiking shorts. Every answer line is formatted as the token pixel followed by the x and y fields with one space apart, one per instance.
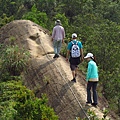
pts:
pixel 74 61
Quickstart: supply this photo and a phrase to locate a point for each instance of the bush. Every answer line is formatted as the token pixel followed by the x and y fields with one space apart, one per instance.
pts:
pixel 14 60
pixel 19 103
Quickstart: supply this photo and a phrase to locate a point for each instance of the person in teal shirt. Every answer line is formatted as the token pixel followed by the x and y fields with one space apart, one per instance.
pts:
pixel 92 79
pixel 75 59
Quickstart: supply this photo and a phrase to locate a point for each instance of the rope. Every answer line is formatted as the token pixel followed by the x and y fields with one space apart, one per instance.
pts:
pixel 66 82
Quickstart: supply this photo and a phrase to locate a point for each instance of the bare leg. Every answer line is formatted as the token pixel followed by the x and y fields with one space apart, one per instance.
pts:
pixel 76 71
pixel 73 74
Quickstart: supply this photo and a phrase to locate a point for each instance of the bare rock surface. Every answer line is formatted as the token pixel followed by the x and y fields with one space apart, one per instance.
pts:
pixel 48 75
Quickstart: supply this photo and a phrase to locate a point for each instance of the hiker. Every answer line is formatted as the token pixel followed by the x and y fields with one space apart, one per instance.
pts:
pixel 92 79
pixel 74 55
pixel 58 36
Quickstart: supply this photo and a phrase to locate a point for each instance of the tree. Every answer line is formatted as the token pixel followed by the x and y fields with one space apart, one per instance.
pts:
pixel 37 17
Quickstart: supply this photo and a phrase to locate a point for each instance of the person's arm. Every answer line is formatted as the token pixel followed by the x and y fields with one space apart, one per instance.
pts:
pixel 52 39
pixel 81 53
pixel 53 34
pixel 88 72
pixel 67 56
pixel 63 34
pixel 63 40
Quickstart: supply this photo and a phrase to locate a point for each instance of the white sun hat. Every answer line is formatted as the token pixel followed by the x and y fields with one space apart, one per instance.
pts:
pixel 74 35
pixel 89 55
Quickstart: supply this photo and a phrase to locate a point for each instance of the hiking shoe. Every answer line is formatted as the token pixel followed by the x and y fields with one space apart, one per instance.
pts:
pixel 94 104
pixel 55 56
pixel 88 102
pixel 74 80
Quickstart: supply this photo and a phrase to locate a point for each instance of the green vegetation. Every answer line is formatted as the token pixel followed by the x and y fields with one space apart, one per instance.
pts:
pixel 97 23
pixel 16 101
pixel 19 103
pixel 14 60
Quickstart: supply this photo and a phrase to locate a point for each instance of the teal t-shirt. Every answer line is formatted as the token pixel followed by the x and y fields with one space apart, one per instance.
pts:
pixel 74 41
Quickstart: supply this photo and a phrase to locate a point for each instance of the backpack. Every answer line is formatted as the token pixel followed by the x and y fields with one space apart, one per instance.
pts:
pixel 75 50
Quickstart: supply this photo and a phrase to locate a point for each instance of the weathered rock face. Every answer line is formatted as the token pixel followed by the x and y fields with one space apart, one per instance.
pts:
pixel 43 67
pixel 27 34
pixel 47 75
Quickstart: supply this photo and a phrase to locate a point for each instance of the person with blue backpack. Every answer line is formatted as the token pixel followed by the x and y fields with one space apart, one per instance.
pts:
pixel 74 55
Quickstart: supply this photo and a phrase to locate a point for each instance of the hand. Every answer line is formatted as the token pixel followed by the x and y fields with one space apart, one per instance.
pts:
pixel 81 59
pixel 67 59
pixel 52 39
